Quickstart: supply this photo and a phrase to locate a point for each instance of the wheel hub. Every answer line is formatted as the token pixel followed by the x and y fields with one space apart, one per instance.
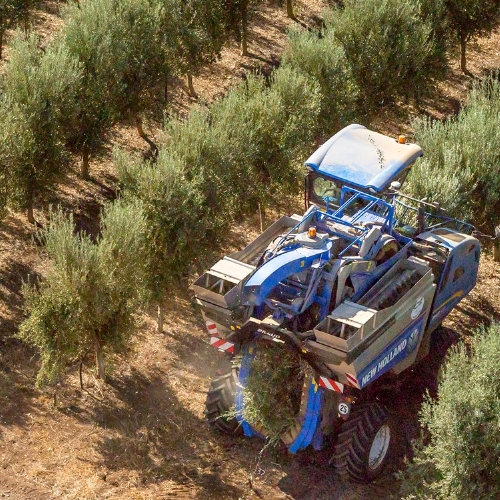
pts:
pixel 379 448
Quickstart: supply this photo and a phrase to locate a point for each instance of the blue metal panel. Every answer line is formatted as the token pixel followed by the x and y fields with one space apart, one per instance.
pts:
pixel 312 418
pixel 267 276
pixel 460 273
pixel 239 404
pixel 363 158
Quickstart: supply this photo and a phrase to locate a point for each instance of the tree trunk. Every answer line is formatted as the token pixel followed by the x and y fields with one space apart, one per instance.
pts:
pixel 192 92
pixel 496 245
pixel 262 216
pixel 99 358
pixel 161 315
pixel 142 135
pixel 85 163
pixel 496 251
pixel 244 29
pixel 1 40
pixel 463 60
pixel 29 209
pixel 289 9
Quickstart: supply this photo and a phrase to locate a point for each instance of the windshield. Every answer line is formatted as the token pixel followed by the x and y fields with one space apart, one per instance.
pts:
pixel 323 188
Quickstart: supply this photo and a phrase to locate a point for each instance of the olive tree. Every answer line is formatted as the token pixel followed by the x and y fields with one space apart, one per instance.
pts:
pixel 461 460
pixel 460 168
pixel 389 47
pixel 246 147
pixel 119 47
pixel 176 226
pixel 471 19
pixel 320 57
pixel 201 34
pixel 38 90
pixel 88 300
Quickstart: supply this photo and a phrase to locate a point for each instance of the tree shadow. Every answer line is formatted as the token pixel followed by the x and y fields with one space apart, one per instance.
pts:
pixel 13 275
pixel 154 435
pixel 17 392
pixel 478 310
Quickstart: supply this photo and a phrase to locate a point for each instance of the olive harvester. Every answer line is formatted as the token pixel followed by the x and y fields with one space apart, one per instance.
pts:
pixel 357 287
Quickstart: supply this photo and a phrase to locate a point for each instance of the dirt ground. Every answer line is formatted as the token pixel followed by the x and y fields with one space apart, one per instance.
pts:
pixel 143 435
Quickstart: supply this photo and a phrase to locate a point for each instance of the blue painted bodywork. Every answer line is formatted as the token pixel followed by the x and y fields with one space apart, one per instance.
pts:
pixel 312 418
pixel 363 158
pixel 460 272
pixel 293 261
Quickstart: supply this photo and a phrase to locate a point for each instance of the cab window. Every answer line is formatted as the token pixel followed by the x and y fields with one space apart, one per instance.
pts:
pixel 326 188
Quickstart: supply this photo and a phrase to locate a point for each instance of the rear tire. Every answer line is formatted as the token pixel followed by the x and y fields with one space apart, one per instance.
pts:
pixel 365 443
pixel 220 401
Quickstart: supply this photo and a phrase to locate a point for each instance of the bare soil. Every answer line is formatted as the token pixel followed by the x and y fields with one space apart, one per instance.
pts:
pixel 143 435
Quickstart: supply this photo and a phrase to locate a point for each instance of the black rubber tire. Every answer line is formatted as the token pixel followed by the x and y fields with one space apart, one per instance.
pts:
pixel 354 441
pixel 220 400
pixel 441 340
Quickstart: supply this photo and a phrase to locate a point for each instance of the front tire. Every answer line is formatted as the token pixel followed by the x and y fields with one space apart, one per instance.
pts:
pixel 365 443
pixel 220 402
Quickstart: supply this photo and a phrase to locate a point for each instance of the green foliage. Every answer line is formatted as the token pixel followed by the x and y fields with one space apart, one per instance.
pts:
pixel 38 90
pixel 299 105
pixel 388 47
pixel 461 461
pixel 173 207
pixel 434 15
pixel 123 47
pixel 472 18
pixel 199 149
pixel 461 165
pixel 8 16
pixel 261 129
pixel 323 59
pixel 92 291
pixel 274 388
pixel 201 33
pixel 245 147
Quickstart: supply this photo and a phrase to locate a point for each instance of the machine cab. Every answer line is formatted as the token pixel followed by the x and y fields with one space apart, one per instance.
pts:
pixel 357 158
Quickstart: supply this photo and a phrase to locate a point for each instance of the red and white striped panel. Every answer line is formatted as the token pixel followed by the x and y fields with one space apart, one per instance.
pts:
pixel 222 345
pixel 212 328
pixel 328 383
pixel 352 380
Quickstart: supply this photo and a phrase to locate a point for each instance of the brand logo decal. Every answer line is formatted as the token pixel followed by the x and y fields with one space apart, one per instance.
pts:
pixel 419 305
pixel 412 341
